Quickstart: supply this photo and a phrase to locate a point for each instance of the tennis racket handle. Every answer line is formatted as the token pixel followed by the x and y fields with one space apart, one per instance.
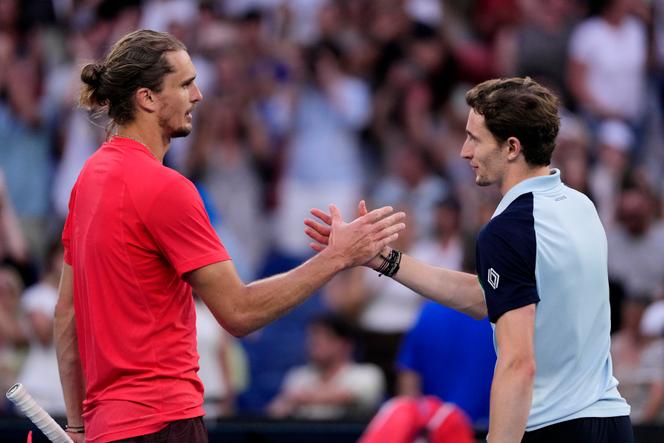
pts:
pixel 26 404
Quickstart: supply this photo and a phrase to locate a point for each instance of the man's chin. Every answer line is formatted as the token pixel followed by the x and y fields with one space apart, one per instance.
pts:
pixel 181 132
pixel 481 181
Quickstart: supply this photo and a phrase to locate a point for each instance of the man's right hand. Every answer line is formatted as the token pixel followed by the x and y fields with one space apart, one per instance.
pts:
pixel 363 240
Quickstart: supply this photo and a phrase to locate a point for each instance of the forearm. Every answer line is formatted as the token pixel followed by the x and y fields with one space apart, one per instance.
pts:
pixel 457 290
pixel 66 348
pixel 69 365
pixel 511 399
pixel 265 300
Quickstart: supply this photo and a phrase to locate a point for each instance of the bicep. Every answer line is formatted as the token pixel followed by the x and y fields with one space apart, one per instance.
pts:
pixel 515 333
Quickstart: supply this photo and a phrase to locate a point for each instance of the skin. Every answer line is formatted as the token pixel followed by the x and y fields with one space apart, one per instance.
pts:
pixel 240 308
pixel 499 164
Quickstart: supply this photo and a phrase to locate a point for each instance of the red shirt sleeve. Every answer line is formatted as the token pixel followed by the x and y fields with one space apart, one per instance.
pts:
pixel 66 232
pixel 179 224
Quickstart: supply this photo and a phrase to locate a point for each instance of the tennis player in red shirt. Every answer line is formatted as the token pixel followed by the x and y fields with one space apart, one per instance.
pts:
pixel 137 240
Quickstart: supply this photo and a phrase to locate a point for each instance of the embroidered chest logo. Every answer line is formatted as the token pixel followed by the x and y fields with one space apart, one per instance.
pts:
pixel 493 278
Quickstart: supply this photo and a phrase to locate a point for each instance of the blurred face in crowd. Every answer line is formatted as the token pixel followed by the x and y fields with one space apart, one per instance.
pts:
pixel 486 155
pixel 447 220
pixel 179 95
pixel 325 348
pixel 635 211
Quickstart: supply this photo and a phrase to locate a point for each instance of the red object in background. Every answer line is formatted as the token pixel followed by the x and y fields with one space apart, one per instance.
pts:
pixel 29 437
pixel 404 419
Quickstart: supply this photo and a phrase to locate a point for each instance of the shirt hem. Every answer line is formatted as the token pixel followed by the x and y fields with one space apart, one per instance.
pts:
pixel 145 429
pixel 604 412
pixel 205 260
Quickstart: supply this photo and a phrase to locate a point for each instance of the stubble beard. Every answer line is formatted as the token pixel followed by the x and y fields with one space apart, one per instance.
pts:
pixel 181 132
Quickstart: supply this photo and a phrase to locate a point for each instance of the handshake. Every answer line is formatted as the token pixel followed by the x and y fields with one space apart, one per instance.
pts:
pixel 364 241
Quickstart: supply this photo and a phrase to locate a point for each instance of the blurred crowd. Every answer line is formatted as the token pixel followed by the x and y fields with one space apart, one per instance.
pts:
pixel 309 102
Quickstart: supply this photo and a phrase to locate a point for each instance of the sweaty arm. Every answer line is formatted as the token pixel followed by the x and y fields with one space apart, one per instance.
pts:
pixel 66 345
pixel 512 386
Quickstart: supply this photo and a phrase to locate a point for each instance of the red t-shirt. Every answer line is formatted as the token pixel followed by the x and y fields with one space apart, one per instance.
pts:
pixel 134 228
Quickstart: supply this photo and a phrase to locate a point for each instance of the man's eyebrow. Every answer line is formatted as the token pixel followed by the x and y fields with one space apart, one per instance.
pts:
pixel 189 80
pixel 471 135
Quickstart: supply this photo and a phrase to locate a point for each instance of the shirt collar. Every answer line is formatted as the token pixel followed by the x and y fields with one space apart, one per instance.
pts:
pixel 540 183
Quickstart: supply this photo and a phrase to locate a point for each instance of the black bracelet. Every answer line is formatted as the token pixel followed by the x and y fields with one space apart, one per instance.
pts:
pixel 390 265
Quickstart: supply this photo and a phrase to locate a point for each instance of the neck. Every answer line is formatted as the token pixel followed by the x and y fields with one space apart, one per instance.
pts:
pixel 147 135
pixel 521 173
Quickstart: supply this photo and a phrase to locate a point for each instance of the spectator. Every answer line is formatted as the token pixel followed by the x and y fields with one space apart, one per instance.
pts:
pixel 607 68
pixel 450 356
pixel 615 140
pixel 222 365
pixel 382 310
pixel 13 247
pixel 638 353
pixel 331 385
pixel 447 354
pixel 12 327
pixel 537 45
pixel 39 372
pixel 636 246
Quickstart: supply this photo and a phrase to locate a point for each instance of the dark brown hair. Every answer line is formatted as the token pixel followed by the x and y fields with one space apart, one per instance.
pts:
pixel 521 108
pixel 136 61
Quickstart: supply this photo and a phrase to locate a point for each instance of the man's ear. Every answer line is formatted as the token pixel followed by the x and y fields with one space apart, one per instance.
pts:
pixel 513 148
pixel 145 99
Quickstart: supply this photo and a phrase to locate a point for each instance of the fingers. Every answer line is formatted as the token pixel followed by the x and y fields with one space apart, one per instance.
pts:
pixel 362 208
pixel 316 247
pixel 318 227
pixel 387 240
pixel 378 214
pixel 335 213
pixel 389 221
pixel 315 235
pixel 390 230
pixel 323 216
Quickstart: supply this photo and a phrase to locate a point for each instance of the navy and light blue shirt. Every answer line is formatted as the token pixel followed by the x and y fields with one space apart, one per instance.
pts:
pixel 545 245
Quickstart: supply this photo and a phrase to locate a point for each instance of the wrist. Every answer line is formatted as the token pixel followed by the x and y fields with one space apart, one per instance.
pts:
pixel 376 262
pixel 389 264
pixel 337 261
pixel 80 429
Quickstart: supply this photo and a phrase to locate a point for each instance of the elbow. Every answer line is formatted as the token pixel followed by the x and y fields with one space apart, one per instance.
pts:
pixel 523 367
pixel 238 325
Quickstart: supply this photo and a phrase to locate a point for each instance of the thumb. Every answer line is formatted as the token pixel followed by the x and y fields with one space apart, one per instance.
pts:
pixel 336 214
pixel 362 208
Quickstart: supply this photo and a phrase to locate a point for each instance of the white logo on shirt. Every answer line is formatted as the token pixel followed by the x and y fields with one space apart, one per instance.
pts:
pixel 493 278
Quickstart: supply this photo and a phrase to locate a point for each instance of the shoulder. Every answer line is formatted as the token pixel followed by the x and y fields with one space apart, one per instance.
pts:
pixel 514 221
pixel 158 185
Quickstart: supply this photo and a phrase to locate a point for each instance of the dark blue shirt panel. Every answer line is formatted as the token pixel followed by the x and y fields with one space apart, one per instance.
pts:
pixel 506 254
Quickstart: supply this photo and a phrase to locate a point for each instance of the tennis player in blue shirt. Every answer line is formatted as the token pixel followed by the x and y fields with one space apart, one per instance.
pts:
pixel 542 277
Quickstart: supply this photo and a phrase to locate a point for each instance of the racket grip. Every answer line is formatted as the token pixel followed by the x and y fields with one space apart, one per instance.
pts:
pixel 26 404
